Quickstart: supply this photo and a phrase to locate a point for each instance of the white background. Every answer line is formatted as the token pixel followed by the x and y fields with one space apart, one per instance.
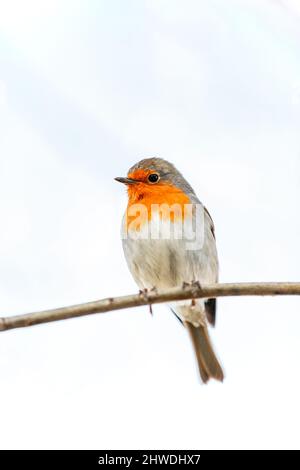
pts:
pixel 87 88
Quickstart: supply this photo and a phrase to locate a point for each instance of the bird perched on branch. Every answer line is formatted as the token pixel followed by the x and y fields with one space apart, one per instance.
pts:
pixel 169 240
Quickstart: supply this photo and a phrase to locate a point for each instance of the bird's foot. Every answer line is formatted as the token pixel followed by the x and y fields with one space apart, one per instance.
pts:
pixel 195 285
pixel 144 293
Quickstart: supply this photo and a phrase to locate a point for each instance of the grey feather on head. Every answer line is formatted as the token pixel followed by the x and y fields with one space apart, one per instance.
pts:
pixel 166 171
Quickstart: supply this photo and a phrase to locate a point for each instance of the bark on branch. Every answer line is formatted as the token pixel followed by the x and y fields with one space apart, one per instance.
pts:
pixel 152 297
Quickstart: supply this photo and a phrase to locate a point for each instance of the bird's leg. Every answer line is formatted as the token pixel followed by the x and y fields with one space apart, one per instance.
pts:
pixel 194 284
pixel 144 293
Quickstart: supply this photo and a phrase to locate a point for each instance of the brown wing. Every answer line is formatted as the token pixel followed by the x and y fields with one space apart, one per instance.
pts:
pixel 211 304
pixel 212 225
pixel 211 311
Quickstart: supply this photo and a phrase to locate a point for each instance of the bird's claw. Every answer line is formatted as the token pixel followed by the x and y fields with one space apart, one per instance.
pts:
pixel 144 293
pixel 195 285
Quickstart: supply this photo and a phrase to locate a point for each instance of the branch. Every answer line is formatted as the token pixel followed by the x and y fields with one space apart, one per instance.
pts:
pixel 194 291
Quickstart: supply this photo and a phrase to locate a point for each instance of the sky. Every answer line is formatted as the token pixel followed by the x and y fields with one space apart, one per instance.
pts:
pixel 87 88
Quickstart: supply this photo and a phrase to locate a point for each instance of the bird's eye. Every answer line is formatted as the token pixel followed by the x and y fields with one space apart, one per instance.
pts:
pixel 153 178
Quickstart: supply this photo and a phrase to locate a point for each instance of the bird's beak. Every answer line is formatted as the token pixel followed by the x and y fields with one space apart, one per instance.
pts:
pixel 126 180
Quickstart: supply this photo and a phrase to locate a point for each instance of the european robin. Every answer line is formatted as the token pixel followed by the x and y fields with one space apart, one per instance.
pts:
pixel 169 240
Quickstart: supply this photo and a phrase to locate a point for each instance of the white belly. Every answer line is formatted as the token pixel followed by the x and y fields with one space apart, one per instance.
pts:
pixel 168 261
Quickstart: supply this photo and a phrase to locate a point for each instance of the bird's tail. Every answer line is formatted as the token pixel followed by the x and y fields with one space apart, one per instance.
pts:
pixel 208 363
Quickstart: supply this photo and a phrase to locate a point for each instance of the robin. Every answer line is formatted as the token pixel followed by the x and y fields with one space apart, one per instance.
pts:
pixel 169 240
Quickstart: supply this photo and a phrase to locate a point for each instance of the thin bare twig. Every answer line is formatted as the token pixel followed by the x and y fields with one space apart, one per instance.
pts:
pixel 185 292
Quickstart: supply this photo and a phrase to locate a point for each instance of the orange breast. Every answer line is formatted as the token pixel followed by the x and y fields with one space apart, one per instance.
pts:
pixel 169 200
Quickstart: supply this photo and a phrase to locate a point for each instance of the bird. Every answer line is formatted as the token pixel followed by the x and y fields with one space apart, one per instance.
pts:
pixel 162 249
